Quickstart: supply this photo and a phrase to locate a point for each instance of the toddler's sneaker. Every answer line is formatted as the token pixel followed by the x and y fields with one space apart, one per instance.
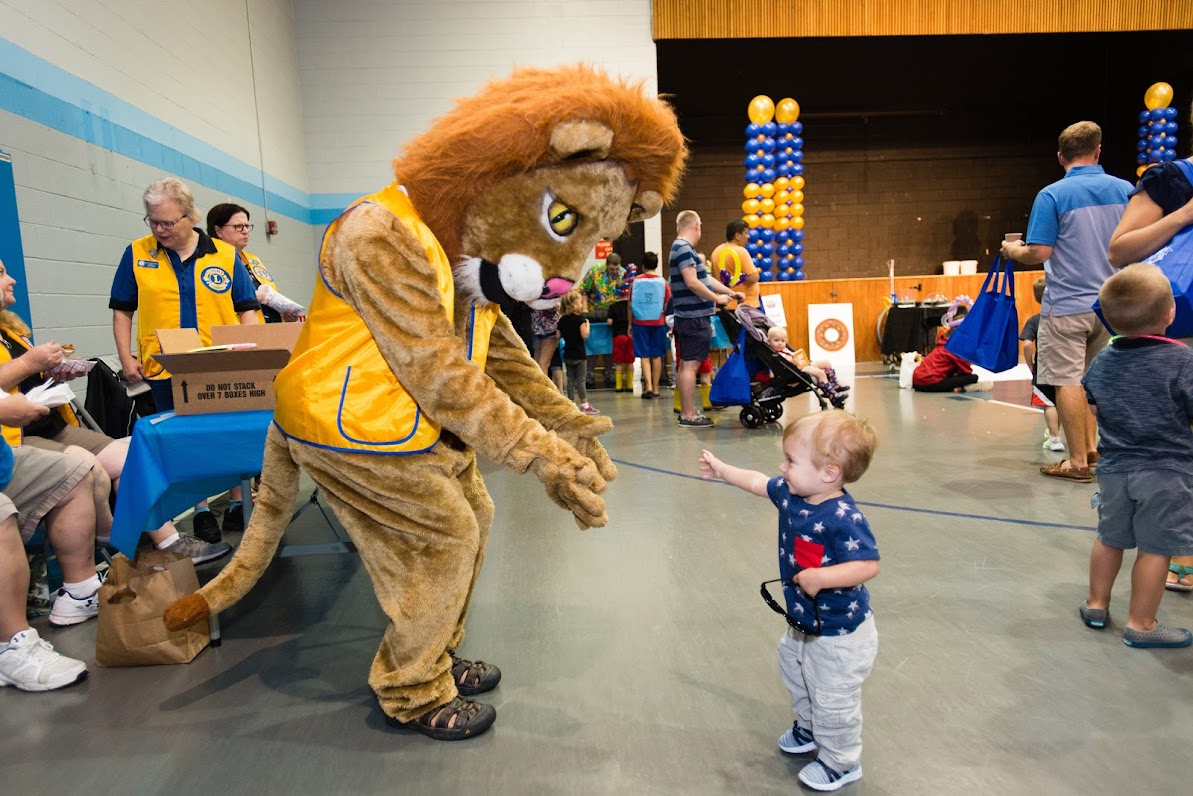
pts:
pixel 1159 637
pixel 797 740
pixel 589 409
pixel 70 610
pixel 1053 443
pixel 30 664
pixel 817 776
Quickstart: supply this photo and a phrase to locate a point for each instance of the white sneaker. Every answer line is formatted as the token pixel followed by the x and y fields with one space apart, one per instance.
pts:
pixel 70 610
pixel 30 664
pixel 982 386
pixel 1054 444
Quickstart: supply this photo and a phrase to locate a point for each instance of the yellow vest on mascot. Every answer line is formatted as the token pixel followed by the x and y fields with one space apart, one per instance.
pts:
pixel 158 296
pixel 260 274
pixel 338 392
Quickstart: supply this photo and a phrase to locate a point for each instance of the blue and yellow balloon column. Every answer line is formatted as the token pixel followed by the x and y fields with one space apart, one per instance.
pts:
pixel 774 192
pixel 1157 128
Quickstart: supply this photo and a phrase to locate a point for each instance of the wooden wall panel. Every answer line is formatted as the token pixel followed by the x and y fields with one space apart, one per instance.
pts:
pixel 866 295
pixel 749 19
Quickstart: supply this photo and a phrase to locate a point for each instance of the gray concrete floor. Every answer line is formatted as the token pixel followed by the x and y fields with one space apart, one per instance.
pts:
pixel 639 658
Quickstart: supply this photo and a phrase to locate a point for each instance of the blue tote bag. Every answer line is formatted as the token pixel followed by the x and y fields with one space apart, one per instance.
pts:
pixel 731 387
pixel 989 336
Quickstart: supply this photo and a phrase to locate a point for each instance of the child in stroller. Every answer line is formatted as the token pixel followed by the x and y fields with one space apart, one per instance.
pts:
pixel 786 379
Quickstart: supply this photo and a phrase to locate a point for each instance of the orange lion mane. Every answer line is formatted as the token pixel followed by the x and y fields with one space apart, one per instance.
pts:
pixel 505 130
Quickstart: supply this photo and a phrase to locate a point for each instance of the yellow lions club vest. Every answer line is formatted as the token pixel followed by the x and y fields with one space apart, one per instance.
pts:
pixel 260 273
pixel 338 391
pixel 158 296
pixel 11 434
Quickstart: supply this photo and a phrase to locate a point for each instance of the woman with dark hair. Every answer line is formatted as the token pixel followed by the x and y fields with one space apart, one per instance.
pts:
pixel 230 223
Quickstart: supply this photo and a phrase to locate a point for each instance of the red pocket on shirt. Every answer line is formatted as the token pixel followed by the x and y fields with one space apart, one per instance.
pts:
pixel 808 555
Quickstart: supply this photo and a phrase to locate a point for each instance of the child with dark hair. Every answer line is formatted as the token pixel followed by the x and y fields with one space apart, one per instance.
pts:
pixel 1141 387
pixel 1042 395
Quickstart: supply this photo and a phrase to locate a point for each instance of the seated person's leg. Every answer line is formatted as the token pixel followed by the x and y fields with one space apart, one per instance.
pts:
pixel 26 661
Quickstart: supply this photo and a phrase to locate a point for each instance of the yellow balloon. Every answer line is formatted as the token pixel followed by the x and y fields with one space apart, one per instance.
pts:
pixel 767 221
pixel 749 206
pixel 797 196
pixel 782 223
pixel 1158 95
pixel 751 190
pixel 784 210
pixel 752 221
pixel 784 198
pixel 782 184
pixel 797 210
pixel 762 109
pixel 767 205
pixel 1139 171
pixel 787 111
pixel 797 182
pixel 797 222
pixel 768 189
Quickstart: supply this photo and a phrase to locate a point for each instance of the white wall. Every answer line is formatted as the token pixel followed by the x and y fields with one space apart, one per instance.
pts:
pixel 164 91
pixel 375 74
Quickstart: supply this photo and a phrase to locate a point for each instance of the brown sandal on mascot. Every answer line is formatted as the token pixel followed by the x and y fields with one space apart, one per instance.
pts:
pixel 406 367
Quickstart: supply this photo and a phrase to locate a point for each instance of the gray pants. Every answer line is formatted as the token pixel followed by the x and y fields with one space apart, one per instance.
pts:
pixel 824 675
pixel 577 372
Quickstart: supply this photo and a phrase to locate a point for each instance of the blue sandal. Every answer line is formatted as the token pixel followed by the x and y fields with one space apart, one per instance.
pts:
pixel 1181 571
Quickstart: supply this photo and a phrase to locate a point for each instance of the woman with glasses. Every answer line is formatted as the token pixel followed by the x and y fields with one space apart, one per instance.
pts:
pixel 176 277
pixel 230 223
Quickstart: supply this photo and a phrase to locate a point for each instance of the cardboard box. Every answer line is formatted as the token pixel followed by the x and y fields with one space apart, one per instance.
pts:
pixel 205 382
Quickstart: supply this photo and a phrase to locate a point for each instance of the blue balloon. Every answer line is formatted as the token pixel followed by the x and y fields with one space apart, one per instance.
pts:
pixel 797 155
pixel 766 275
pixel 1170 127
pixel 797 127
pixel 1157 113
pixel 1141 145
pixel 784 248
pixel 1168 155
pixel 766 235
pixel 784 239
pixel 769 144
pixel 768 176
pixel 1154 156
pixel 1142 132
pixel 751 146
pixel 1141 158
pixel 782 128
pixel 797 234
pixel 797 142
pixel 796 170
pixel 784 276
pixel 767 160
pixel 1168 141
pixel 752 248
pixel 770 128
pixel 750 175
pixel 797 248
pixel 784 170
pixel 1170 112
pixel 753 129
pixel 751 160
pixel 798 262
pixel 799 276
pixel 1144 116
pixel 768 250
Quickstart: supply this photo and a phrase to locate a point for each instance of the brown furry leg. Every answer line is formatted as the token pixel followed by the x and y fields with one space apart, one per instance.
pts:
pixel 419 541
pixel 482 506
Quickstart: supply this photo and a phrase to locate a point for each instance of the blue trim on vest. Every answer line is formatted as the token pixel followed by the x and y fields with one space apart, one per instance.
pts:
pixel 351 450
pixel 471 330
pixel 418 413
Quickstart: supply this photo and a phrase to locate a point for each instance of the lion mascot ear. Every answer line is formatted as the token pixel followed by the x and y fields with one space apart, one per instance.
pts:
pixel 582 139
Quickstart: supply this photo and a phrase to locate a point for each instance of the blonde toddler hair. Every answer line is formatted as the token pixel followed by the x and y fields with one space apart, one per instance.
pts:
pixel 1137 299
pixel 839 439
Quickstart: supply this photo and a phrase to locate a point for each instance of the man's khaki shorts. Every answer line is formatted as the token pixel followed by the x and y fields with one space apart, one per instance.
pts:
pixel 40 480
pixel 1067 344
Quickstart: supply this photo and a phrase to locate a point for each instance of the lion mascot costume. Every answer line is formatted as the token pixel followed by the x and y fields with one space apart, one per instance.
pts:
pixel 406 367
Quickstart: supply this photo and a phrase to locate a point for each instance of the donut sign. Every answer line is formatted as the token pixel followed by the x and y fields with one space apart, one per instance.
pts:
pixel 830 335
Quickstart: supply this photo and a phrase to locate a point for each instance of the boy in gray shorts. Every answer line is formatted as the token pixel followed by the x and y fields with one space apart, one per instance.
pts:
pixel 1141 387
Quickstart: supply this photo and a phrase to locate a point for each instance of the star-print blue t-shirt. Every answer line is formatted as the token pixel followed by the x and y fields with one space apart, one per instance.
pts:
pixel 822 535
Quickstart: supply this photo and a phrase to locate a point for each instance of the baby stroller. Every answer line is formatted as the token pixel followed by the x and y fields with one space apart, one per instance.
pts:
pixel 787 380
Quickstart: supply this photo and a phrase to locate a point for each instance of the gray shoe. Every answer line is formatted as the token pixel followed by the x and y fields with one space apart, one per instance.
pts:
pixel 200 552
pixel 1158 637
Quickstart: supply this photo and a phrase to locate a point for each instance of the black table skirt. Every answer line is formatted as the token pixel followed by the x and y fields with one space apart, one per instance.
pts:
pixel 911 329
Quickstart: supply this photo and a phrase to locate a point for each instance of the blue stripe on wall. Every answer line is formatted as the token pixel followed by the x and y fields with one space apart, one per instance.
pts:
pixel 38 90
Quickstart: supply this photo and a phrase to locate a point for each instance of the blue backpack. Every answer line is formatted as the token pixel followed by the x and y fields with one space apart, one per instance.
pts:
pixel 647 298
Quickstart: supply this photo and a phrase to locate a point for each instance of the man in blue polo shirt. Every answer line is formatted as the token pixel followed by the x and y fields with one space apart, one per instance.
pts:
pixel 1069 232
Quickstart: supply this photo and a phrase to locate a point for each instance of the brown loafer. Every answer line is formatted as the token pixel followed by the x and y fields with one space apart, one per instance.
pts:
pixel 1081 475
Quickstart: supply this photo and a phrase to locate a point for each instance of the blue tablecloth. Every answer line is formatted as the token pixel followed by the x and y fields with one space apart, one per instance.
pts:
pixel 178 462
pixel 600 338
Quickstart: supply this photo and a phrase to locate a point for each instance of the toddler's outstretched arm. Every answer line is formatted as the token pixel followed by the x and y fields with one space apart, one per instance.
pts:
pixel 750 481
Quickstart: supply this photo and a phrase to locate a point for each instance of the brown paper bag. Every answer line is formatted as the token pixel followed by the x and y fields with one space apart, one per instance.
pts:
pixel 131 603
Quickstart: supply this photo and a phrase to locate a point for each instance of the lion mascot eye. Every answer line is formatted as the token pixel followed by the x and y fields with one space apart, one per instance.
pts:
pixel 560 219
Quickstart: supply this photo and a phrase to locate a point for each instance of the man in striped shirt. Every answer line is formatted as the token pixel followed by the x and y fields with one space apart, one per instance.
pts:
pixel 694 298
